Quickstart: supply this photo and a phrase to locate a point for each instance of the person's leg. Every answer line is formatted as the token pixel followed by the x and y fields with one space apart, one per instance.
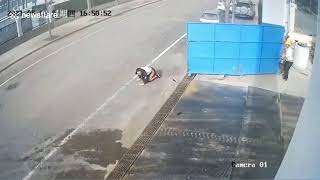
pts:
pixel 153 75
pixel 286 70
pixel 290 65
pixel 156 73
pixel 287 67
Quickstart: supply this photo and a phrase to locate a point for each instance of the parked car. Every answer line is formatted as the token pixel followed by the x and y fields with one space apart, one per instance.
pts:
pixel 210 17
pixel 245 8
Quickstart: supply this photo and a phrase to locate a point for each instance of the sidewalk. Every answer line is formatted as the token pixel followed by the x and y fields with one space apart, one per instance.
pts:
pixel 297 84
pixel 18 53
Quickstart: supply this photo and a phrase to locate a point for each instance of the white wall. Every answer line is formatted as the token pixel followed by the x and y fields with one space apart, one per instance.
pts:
pixel 302 160
pixel 274 12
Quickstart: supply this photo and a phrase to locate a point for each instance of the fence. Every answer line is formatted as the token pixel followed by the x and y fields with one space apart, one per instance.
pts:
pixel 234 49
pixel 8 27
pixel 8 32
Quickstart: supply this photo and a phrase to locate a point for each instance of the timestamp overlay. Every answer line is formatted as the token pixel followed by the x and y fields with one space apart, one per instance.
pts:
pixel 96 13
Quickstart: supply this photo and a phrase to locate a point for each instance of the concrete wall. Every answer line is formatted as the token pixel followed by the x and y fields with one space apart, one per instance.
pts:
pixel 302 160
pixel 274 12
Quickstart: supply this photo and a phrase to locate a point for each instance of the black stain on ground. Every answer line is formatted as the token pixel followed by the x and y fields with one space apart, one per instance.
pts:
pixel 81 173
pixel 58 140
pixel 13 86
pixel 38 152
pixel 96 147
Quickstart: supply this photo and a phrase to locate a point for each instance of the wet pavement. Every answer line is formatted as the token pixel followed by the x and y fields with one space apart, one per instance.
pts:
pixel 85 156
pixel 215 127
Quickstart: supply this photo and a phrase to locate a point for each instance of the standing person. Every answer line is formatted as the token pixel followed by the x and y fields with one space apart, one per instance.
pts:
pixel 283 55
pixel 288 59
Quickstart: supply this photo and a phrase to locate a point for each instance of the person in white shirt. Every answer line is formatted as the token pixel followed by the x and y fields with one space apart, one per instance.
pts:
pixel 147 74
pixel 288 59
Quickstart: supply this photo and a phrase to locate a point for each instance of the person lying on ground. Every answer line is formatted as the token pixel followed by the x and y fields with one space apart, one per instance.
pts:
pixel 147 74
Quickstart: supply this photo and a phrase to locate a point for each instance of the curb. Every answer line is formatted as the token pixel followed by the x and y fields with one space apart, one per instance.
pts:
pixel 73 32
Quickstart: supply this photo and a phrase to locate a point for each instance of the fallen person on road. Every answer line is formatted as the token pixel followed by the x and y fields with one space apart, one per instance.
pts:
pixel 147 74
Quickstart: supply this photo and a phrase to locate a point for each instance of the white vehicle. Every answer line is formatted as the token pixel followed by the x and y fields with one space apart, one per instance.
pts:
pixel 210 17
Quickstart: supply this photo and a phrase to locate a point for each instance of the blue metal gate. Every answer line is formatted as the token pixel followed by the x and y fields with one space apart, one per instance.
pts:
pixel 234 49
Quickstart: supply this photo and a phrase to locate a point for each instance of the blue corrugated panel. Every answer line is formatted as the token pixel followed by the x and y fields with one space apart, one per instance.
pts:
pixel 249 66
pixel 269 66
pixel 271 50
pixel 234 49
pixel 225 66
pixel 227 32
pixel 200 32
pixel 201 56
pixel 250 50
pixel 251 33
pixel 272 34
pixel 227 50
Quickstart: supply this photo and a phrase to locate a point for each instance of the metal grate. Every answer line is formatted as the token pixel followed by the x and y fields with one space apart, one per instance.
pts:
pixel 145 138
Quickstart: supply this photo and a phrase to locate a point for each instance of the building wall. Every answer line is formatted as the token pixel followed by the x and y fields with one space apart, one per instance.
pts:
pixel 302 157
pixel 274 12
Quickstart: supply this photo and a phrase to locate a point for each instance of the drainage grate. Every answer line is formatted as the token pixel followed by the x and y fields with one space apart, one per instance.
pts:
pixel 145 138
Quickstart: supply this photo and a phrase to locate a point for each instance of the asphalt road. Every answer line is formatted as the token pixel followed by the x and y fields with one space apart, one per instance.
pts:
pixel 85 86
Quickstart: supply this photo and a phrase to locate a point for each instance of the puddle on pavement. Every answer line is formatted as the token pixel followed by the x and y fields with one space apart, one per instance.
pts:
pixel 96 148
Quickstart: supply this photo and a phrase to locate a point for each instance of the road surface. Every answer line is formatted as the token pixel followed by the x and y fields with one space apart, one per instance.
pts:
pixel 83 86
pixel 72 109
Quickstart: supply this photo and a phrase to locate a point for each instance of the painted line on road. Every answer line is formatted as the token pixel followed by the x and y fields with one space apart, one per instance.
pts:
pixel 93 114
pixel 64 47
pixel 55 52
pixel 42 59
pixel 168 48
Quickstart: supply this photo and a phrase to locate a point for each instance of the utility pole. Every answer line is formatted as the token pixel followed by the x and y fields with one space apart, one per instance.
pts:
pixel 233 10
pixel 49 19
pixel 89 5
pixel 227 6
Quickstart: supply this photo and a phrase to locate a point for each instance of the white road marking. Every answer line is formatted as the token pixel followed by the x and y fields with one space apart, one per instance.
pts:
pixel 42 59
pixel 168 48
pixel 37 62
pixel 93 114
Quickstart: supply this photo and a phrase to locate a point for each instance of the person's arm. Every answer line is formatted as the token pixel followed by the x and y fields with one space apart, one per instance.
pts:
pixel 145 78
